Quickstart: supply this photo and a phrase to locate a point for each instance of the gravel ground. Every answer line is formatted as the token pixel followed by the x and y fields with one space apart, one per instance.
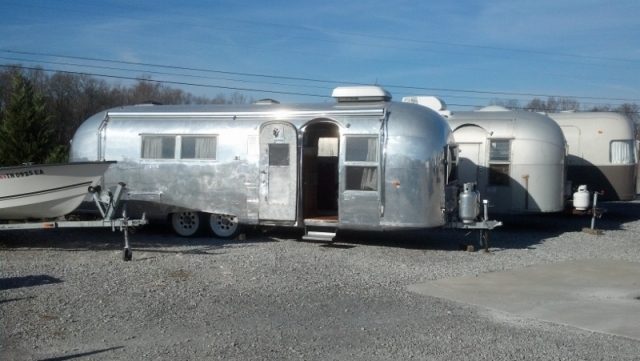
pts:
pixel 66 294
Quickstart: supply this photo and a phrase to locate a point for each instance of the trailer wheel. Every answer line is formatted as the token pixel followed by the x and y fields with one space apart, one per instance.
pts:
pixel 186 224
pixel 127 254
pixel 224 226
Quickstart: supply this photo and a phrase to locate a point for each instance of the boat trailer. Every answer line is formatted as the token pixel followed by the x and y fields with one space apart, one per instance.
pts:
pixel 107 204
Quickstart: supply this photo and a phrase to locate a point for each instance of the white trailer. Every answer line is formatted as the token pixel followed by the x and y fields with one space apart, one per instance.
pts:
pixel 602 152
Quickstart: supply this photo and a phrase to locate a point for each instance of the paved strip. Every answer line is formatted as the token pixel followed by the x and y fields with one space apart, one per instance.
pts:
pixel 595 294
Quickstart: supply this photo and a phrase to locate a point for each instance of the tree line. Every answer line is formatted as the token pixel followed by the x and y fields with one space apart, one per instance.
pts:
pixel 39 113
pixel 555 105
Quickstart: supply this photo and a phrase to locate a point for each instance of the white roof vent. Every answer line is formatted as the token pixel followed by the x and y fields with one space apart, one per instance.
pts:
pixel 430 102
pixel 365 93
pixel 266 102
pixel 493 108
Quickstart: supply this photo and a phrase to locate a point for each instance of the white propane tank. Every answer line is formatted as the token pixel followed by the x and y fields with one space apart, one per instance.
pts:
pixel 469 205
pixel 581 198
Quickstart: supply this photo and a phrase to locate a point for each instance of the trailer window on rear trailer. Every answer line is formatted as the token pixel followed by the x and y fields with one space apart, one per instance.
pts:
pixel 622 152
pixel 499 161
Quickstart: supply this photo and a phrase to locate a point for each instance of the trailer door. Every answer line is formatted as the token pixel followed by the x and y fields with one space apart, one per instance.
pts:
pixel 469 160
pixel 278 172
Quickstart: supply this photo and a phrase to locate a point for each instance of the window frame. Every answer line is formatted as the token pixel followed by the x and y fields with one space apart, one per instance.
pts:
pixel 181 144
pixel 163 136
pixel 351 165
pixel 499 168
pixel 630 147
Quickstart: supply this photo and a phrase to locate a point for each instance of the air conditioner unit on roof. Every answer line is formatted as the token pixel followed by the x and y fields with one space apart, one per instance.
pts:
pixel 363 93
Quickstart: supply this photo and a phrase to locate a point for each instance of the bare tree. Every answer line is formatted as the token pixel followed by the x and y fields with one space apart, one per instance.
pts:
pixel 552 105
pixel 509 104
pixel 219 99
pixel 238 98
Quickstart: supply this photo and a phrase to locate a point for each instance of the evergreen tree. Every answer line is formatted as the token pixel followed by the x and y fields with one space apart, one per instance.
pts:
pixel 26 134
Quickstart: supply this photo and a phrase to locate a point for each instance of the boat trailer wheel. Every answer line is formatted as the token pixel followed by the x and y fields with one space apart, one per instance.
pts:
pixel 127 254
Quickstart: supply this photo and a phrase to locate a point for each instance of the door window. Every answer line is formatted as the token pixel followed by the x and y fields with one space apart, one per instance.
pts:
pixel 361 162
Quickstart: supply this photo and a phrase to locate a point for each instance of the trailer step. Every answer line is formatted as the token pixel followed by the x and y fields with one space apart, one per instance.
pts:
pixel 321 231
pixel 319 236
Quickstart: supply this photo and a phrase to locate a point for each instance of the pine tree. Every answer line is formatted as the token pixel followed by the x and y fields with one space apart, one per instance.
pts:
pixel 25 133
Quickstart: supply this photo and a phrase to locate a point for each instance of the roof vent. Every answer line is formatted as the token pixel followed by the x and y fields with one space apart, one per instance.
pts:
pixel 430 102
pixel 493 108
pixel 148 103
pixel 266 102
pixel 365 93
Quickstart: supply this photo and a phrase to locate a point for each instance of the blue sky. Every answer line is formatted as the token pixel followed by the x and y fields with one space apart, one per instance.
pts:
pixel 466 52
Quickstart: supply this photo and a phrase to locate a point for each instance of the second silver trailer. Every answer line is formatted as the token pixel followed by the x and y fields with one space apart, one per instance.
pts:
pixel 516 158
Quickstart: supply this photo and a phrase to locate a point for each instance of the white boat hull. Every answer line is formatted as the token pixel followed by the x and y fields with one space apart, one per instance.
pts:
pixel 46 190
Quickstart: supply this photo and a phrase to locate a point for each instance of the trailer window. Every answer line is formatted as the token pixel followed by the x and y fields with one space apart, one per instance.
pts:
pixel 362 149
pixel 499 150
pixel 499 158
pixel 621 152
pixel 279 154
pixel 200 147
pixel 158 147
pixel 361 163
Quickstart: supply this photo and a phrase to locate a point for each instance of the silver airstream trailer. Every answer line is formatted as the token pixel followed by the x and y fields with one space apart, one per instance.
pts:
pixel 602 153
pixel 516 158
pixel 363 162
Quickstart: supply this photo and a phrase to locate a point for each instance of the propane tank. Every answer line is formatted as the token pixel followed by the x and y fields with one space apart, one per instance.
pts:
pixel 469 204
pixel 581 198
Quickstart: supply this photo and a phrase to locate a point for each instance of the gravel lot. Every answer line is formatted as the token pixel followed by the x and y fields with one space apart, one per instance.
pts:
pixel 66 294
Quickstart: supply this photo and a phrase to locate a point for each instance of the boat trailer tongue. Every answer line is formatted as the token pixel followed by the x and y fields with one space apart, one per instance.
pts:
pixel 107 204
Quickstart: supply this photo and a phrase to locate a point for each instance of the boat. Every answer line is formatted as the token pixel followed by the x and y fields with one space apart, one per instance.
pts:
pixel 46 190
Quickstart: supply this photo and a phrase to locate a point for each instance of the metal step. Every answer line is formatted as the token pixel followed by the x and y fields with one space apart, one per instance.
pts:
pixel 319 236
pixel 320 231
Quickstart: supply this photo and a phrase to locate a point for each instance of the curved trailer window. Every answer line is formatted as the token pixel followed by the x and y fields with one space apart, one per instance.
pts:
pixel 621 152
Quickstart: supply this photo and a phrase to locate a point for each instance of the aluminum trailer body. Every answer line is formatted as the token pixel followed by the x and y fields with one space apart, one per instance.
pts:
pixel 602 152
pixel 363 162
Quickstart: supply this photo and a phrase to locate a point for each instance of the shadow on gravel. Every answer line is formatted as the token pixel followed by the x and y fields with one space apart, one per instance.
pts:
pixel 27 281
pixel 518 232
pixel 70 357
pixel 16 299
pixel 524 231
pixel 153 235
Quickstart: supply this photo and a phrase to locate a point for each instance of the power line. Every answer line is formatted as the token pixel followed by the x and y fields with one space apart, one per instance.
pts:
pixel 390 86
pixel 403 61
pixel 173 82
pixel 365 36
pixel 161 73
pixel 231 88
